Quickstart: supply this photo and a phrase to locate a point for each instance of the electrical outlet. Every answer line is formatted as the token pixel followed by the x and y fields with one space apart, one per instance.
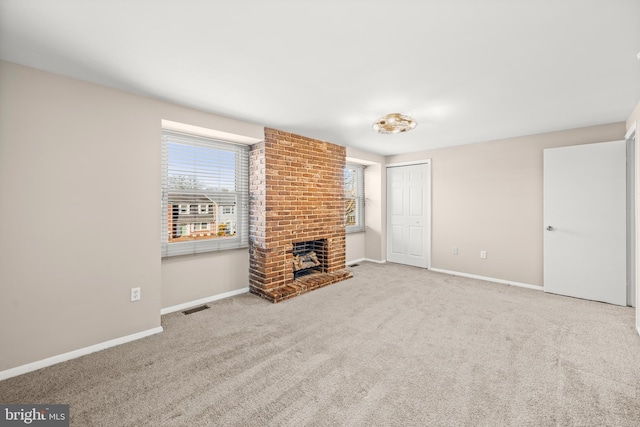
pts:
pixel 135 294
pixel 483 254
pixel 455 251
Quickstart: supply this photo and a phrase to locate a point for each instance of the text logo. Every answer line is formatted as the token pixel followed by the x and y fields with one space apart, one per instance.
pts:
pixel 34 415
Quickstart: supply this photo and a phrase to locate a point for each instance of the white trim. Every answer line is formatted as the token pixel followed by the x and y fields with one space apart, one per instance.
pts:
pixel 429 214
pixel 360 161
pixel 209 133
pixel 631 133
pixel 200 301
pixel 411 163
pixel 631 130
pixel 355 261
pixel 34 366
pixel 489 279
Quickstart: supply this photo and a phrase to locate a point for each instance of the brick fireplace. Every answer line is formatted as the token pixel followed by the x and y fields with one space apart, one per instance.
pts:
pixel 296 215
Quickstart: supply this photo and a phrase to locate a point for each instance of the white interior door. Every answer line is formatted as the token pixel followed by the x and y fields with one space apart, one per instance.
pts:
pixel 585 221
pixel 408 214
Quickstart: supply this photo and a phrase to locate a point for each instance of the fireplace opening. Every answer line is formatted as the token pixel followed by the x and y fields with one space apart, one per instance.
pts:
pixel 309 257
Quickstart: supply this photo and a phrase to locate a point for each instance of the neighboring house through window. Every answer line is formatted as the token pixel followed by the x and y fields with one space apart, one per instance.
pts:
pixel 205 194
pixel 354 197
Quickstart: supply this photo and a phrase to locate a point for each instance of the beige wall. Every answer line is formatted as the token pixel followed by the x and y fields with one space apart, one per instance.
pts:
pixel 488 196
pixel 193 277
pixel 79 216
pixel 355 247
pixel 371 244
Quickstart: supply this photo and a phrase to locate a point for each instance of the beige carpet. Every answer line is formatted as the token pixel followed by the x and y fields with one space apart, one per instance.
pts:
pixel 394 346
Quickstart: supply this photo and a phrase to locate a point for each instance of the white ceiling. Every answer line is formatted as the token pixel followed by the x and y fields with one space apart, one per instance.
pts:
pixel 467 70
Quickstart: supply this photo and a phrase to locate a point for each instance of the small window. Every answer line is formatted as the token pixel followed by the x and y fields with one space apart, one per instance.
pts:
pixel 201 226
pixel 203 209
pixel 228 210
pixel 184 209
pixel 354 197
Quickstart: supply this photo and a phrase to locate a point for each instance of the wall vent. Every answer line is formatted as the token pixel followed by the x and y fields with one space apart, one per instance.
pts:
pixel 195 309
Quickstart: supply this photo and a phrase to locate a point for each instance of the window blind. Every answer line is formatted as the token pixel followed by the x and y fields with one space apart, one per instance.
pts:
pixel 205 194
pixel 354 197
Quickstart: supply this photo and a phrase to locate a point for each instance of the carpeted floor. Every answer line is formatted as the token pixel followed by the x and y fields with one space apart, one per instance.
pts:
pixel 394 346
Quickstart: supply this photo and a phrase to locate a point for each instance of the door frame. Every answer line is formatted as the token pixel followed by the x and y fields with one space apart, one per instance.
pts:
pixel 632 219
pixel 427 208
pixel 633 139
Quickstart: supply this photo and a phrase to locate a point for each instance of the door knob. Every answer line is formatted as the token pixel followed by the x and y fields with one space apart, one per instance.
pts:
pixel 549 228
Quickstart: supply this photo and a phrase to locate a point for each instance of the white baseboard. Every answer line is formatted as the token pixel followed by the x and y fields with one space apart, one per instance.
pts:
pixel 34 366
pixel 201 301
pixel 489 279
pixel 355 261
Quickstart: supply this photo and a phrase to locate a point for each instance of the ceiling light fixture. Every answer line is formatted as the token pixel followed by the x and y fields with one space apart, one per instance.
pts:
pixel 394 123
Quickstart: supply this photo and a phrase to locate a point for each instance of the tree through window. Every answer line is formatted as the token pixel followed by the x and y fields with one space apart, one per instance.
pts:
pixel 354 197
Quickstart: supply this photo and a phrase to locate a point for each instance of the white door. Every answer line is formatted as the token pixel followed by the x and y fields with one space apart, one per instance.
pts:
pixel 408 222
pixel 585 221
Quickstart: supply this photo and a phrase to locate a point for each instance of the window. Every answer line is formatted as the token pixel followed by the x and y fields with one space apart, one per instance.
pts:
pixel 201 226
pixel 354 197
pixel 199 176
pixel 228 210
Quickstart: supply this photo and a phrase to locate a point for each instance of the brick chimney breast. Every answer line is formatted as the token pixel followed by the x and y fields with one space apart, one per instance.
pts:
pixel 296 196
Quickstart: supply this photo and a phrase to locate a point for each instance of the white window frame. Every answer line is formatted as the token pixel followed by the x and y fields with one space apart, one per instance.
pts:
pixel 359 199
pixel 198 226
pixel 241 192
